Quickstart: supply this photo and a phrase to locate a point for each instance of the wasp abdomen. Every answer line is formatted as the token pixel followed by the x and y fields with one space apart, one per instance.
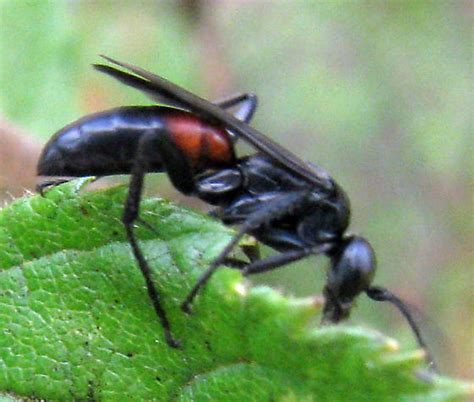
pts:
pixel 105 143
pixel 100 144
pixel 205 145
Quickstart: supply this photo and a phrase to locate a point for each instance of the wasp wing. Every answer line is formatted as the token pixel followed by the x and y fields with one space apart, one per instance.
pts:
pixel 138 83
pixel 162 90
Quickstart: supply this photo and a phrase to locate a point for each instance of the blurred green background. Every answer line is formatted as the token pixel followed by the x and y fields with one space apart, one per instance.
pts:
pixel 378 93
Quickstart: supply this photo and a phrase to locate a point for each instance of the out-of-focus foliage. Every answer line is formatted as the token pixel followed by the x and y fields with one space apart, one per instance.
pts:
pixel 376 92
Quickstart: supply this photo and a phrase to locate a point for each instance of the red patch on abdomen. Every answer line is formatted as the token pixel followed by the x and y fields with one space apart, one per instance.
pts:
pixel 204 144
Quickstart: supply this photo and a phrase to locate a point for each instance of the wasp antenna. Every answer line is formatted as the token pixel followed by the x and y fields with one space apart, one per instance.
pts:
pixel 384 295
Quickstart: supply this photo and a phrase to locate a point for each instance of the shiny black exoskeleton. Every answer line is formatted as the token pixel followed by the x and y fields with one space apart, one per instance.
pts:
pixel 294 207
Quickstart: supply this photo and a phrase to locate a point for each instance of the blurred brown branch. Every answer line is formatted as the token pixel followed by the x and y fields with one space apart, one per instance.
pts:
pixel 19 153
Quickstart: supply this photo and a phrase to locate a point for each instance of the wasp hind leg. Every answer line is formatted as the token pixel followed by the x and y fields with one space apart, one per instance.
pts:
pixel 180 174
pixel 247 105
pixel 47 185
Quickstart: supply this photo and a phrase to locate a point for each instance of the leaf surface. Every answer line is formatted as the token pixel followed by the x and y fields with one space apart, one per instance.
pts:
pixel 76 321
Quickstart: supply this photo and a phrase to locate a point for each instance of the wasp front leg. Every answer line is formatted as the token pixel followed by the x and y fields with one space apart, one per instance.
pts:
pixel 273 210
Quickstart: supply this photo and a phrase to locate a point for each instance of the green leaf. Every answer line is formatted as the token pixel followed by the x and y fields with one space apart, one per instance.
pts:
pixel 76 322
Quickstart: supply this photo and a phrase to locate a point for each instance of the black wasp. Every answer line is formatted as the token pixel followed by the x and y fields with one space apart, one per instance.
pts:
pixel 292 206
